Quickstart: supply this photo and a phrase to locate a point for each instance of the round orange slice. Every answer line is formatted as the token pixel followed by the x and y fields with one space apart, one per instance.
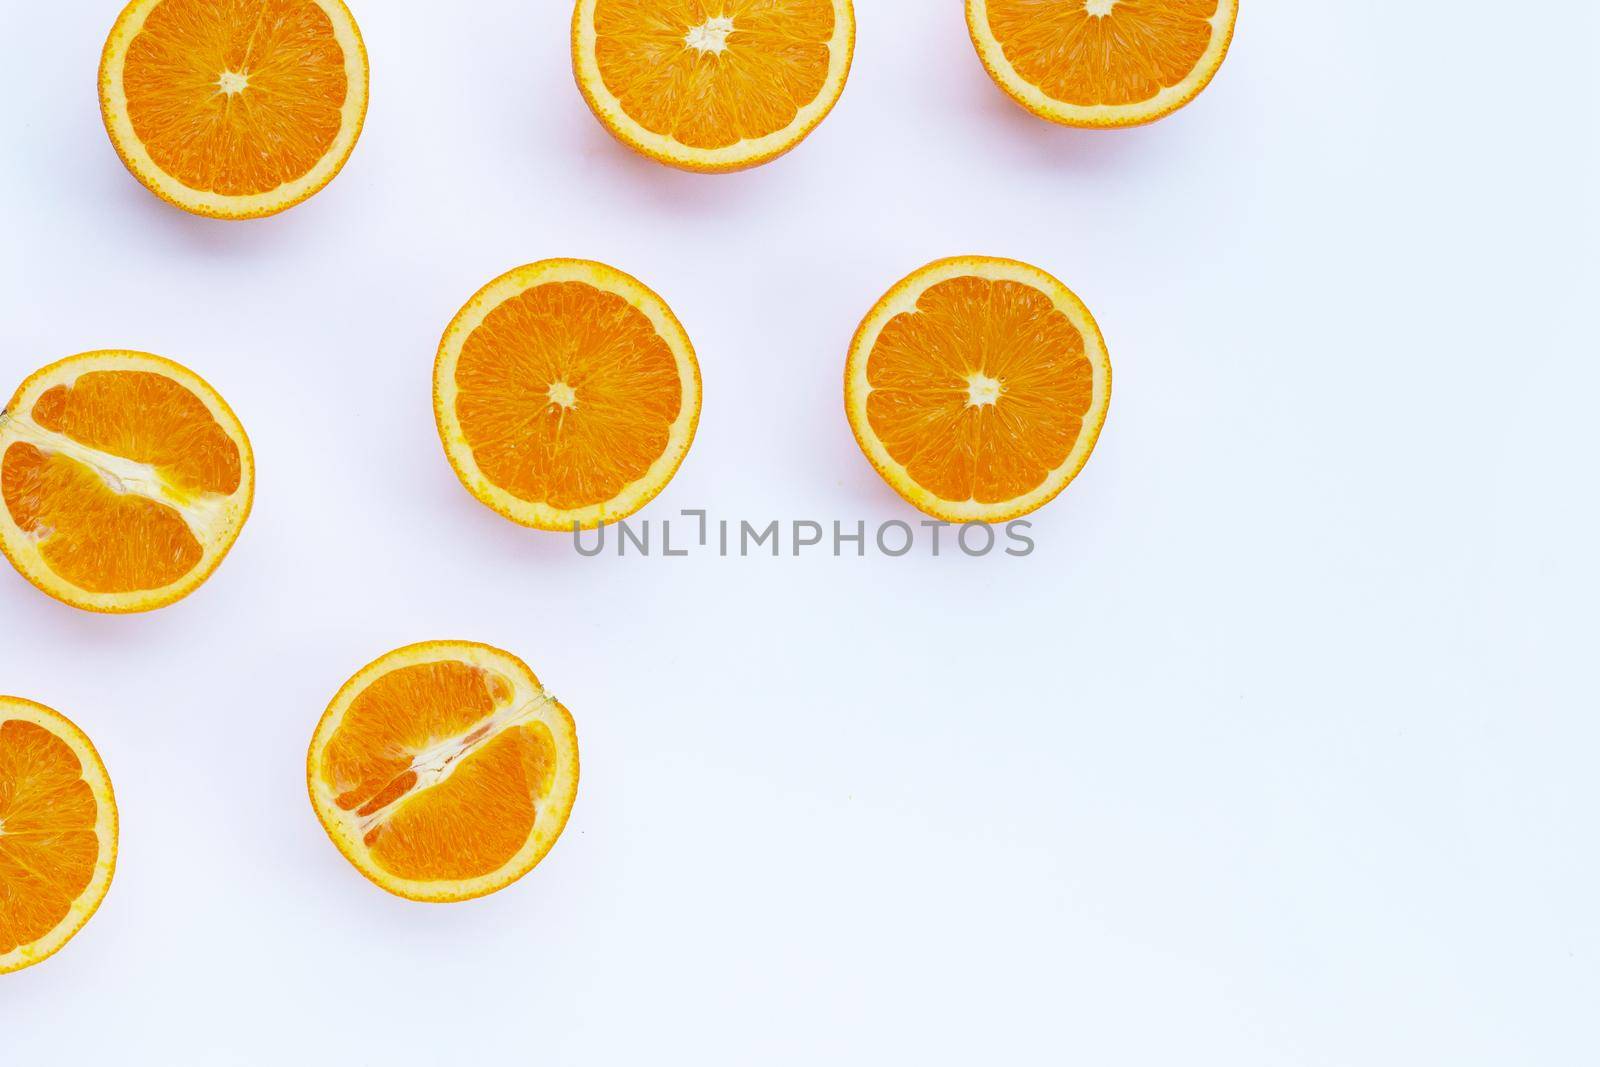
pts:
pixel 58 832
pixel 1102 62
pixel 977 388
pixel 234 110
pixel 712 86
pixel 567 394
pixel 125 479
pixel 444 771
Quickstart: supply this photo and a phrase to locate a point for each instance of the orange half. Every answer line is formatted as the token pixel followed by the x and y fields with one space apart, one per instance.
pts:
pixel 712 85
pixel 1102 62
pixel 977 388
pixel 234 108
pixel 444 771
pixel 58 832
pixel 124 481
pixel 567 394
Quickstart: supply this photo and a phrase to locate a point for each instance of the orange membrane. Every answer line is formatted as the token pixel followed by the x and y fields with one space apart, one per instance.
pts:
pixel 710 73
pixel 566 395
pixel 236 97
pixel 1103 51
pixel 94 529
pixel 443 773
pixel 48 847
pixel 982 391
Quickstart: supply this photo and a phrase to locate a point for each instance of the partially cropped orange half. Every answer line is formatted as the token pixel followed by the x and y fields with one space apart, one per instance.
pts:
pixel 444 770
pixel 1102 62
pixel 977 388
pixel 125 479
pixel 567 394
pixel 234 109
pixel 58 832
pixel 712 85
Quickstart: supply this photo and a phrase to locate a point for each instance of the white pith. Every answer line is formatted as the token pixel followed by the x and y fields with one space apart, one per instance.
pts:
pixel 983 390
pixel 563 395
pixel 439 761
pixel 205 514
pixel 1100 8
pixel 233 82
pixel 711 35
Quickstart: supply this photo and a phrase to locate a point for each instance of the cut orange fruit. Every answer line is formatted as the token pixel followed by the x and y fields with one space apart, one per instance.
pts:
pixel 977 387
pixel 567 394
pixel 58 832
pixel 1102 62
pixel 712 85
pixel 125 480
pixel 236 109
pixel 444 771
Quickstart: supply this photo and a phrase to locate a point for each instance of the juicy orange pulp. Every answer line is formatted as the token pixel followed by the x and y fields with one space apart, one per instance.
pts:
pixel 48 844
pixel 470 823
pixel 982 392
pixel 102 540
pixel 236 97
pixel 1103 51
pixel 748 68
pixel 567 395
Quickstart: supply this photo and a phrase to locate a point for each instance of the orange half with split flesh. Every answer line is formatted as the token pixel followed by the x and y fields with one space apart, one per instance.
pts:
pixel 234 109
pixel 712 85
pixel 1102 63
pixel 124 481
pixel 444 770
pixel 977 388
pixel 58 832
pixel 567 394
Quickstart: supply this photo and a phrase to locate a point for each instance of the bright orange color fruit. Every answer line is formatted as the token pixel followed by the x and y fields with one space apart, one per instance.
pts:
pixel 712 85
pixel 58 832
pixel 124 481
pixel 444 770
pixel 567 394
pixel 977 388
pixel 234 108
pixel 1102 62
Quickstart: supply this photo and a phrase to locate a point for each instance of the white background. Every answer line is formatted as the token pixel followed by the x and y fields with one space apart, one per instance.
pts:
pixel 1278 750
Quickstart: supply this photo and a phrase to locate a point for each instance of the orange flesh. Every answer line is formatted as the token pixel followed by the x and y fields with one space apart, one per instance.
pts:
pixel 1127 56
pixel 271 131
pixel 100 539
pixel 477 818
pixel 48 845
pixel 773 62
pixel 922 373
pixel 533 438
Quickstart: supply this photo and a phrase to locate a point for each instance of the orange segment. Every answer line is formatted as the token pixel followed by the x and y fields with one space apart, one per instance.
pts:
pixel 58 832
pixel 1102 62
pixel 235 108
pixel 712 85
pixel 977 387
pixel 444 771
pixel 566 392
pixel 125 480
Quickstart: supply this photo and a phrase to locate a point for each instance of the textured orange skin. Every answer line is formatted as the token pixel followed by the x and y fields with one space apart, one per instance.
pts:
pixel 65 727
pixel 342 697
pixel 442 422
pixel 201 574
pixel 687 161
pixel 862 433
pixel 230 215
pixel 1062 119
